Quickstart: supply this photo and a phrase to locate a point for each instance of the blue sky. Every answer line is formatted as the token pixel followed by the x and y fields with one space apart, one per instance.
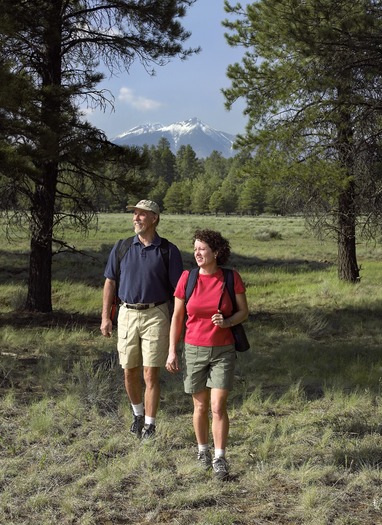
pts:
pixel 181 89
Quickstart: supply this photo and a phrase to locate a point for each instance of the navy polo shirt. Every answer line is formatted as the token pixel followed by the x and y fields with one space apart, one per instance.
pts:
pixel 144 277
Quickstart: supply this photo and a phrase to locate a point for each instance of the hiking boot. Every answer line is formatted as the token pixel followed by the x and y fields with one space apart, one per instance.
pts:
pixel 220 467
pixel 137 425
pixel 148 431
pixel 205 459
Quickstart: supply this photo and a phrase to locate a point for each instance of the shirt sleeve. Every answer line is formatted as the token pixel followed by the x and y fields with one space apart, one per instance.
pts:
pixel 180 290
pixel 111 265
pixel 238 284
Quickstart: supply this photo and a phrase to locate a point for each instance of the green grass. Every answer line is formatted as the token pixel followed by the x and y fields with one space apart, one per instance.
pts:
pixel 305 444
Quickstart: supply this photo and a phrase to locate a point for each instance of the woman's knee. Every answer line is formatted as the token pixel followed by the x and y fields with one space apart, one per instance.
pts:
pixel 219 405
pixel 201 403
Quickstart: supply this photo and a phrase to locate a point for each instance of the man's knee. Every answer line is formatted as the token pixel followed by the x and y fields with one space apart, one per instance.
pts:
pixel 132 374
pixel 151 376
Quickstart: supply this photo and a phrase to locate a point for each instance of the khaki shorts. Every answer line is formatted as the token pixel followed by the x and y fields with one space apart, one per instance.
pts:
pixel 208 367
pixel 143 336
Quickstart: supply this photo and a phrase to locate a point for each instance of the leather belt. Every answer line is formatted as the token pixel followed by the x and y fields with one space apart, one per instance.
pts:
pixel 143 306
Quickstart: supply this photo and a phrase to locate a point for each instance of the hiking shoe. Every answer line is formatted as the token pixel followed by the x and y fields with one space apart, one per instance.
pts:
pixel 137 425
pixel 220 467
pixel 205 459
pixel 148 431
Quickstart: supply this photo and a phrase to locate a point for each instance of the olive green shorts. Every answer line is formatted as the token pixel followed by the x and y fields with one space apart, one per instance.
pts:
pixel 143 336
pixel 208 367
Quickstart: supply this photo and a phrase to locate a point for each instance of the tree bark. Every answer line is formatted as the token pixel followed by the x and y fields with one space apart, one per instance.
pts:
pixel 39 296
pixel 348 269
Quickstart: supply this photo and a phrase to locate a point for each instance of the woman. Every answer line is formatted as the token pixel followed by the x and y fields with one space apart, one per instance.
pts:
pixel 209 356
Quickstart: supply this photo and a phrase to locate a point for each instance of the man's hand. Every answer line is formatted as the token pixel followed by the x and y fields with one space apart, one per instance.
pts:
pixel 106 327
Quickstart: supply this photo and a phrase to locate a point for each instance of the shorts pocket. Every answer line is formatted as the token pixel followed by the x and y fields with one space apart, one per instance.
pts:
pixel 159 331
pixel 122 332
pixel 164 309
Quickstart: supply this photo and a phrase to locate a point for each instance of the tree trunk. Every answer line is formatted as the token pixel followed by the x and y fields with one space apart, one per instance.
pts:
pixel 348 269
pixel 39 286
pixel 347 260
pixel 39 296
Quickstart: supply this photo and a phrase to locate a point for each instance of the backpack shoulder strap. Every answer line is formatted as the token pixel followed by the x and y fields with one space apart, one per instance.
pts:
pixel 191 282
pixel 165 252
pixel 123 247
pixel 228 279
pixel 164 249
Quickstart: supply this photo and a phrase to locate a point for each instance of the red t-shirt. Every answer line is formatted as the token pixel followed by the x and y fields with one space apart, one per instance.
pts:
pixel 203 303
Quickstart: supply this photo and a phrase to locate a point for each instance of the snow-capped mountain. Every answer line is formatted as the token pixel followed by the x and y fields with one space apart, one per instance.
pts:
pixel 202 138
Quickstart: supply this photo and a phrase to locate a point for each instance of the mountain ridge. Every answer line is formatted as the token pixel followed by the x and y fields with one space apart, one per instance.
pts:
pixel 200 136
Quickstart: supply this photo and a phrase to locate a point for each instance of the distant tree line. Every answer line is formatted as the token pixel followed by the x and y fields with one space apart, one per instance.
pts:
pixel 183 183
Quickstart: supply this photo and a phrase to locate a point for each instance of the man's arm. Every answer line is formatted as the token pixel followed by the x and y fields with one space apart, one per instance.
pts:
pixel 108 296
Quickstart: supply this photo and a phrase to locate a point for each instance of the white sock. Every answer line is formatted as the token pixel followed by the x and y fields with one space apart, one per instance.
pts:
pixel 149 420
pixel 219 453
pixel 138 409
pixel 202 448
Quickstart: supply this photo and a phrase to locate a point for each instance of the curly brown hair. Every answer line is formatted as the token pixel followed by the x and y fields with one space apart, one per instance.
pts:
pixel 216 242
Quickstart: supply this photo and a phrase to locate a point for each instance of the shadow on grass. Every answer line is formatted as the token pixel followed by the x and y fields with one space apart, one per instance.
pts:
pixel 318 350
pixel 359 458
pixel 56 319
pixel 88 268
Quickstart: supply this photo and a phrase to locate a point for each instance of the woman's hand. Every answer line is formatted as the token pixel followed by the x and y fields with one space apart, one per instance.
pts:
pixel 218 320
pixel 172 365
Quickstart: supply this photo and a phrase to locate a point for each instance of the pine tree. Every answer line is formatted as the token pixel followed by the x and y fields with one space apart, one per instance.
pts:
pixel 311 78
pixel 58 46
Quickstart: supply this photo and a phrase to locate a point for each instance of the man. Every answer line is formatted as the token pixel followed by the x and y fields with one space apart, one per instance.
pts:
pixel 146 284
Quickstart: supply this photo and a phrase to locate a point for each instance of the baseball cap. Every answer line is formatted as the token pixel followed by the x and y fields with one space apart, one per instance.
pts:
pixel 145 205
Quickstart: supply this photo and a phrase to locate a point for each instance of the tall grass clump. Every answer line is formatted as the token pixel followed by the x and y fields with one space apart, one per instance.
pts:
pixel 97 384
pixel 267 235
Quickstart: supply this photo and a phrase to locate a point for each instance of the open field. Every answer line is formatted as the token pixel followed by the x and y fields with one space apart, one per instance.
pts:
pixel 305 442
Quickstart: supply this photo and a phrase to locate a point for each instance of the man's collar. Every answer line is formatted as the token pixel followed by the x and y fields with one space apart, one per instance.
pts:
pixel 156 240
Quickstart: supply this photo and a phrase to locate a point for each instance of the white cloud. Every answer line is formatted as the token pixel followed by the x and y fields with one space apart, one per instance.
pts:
pixel 87 111
pixel 141 103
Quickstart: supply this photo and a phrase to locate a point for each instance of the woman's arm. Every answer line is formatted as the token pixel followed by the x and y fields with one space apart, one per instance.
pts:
pixel 241 314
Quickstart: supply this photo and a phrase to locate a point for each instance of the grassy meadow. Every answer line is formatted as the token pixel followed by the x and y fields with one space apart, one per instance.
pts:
pixel 305 444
